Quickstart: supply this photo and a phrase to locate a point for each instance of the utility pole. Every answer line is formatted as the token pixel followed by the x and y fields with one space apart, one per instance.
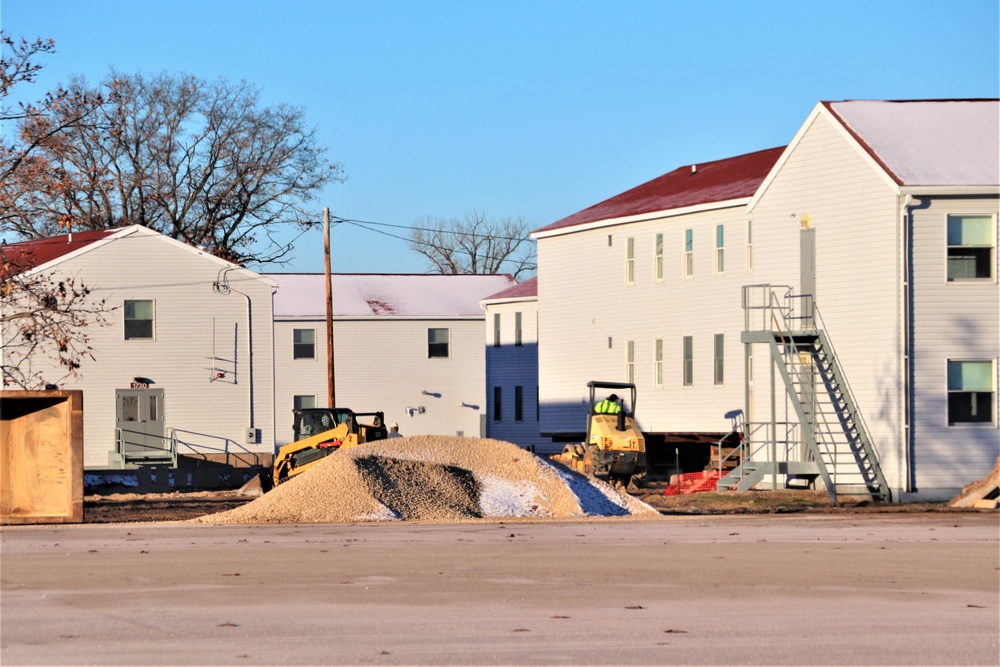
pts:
pixel 330 385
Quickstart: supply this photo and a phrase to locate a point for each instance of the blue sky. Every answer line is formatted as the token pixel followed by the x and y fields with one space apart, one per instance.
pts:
pixel 538 109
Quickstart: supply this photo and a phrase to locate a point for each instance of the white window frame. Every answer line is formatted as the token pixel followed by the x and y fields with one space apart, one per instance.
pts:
pixel 295 345
pixel 496 329
pixel 719 358
pixel 430 342
pixel 658 362
pixel 989 246
pixel 720 249
pixel 687 361
pixel 298 402
pixel 630 361
pixel 498 404
pixel 991 390
pixel 687 260
pixel 518 329
pixel 152 320
pixel 658 257
pixel 749 254
pixel 518 403
pixel 630 260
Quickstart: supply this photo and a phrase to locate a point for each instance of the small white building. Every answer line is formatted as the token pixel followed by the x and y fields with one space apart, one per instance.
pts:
pixel 186 365
pixel 876 225
pixel 410 346
pixel 512 367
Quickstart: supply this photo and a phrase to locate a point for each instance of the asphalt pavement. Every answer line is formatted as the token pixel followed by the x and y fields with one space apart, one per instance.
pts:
pixel 888 589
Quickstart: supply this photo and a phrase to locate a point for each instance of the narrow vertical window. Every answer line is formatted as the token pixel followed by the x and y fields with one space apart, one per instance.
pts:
pixel 303 343
pixel 970 247
pixel 971 392
pixel 687 355
pixel 749 246
pixel 538 404
pixel 657 362
pixel 496 329
pixel 658 258
pixel 138 319
pixel 437 343
pixel 497 404
pixel 630 261
pixel 518 404
pixel 719 358
pixel 630 361
pixel 720 249
pixel 517 329
pixel 688 253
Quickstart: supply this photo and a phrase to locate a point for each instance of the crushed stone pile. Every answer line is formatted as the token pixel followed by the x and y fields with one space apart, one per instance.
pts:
pixel 436 478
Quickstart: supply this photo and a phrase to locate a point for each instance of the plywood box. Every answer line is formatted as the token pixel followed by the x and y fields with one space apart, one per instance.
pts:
pixel 41 457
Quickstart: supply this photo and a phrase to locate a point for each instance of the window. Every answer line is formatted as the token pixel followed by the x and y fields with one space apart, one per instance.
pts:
pixel 970 247
pixel 657 362
pixel 497 404
pixel 688 363
pixel 688 253
pixel 749 246
pixel 658 258
pixel 138 319
pixel 496 330
pixel 304 401
pixel 720 345
pixel 971 394
pixel 519 404
pixel 630 361
pixel 517 329
pixel 630 261
pixel 303 344
pixel 720 249
pixel 437 343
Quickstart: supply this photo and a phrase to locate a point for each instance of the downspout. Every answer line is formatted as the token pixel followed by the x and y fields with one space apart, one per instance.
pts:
pixel 905 474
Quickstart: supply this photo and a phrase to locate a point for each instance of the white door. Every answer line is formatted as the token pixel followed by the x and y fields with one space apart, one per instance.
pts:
pixel 140 421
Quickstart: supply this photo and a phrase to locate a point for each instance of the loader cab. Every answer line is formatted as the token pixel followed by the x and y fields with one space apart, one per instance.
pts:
pixel 600 391
pixel 312 421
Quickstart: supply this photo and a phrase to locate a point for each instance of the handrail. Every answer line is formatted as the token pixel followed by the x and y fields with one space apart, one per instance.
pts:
pixel 120 443
pixel 223 448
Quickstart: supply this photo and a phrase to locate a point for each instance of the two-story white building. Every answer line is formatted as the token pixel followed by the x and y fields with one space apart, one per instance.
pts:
pixel 877 224
pixel 407 345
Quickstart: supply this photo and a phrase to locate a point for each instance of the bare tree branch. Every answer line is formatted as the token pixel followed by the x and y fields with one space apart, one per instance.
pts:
pixel 475 244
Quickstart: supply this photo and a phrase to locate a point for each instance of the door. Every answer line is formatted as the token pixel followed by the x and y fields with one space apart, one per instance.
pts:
pixel 140 421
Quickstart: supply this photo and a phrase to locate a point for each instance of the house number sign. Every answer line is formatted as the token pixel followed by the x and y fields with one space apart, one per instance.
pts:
pixel 139 385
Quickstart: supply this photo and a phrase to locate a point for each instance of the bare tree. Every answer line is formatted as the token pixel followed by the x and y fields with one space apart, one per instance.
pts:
pixel 203 162
pixel 44 317
pixel 475 244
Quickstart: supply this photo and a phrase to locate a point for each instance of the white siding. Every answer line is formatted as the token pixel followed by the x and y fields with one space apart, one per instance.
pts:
pixel 957 320
pixel 188 313
pixel 510 366
pixel 584 303
pixel 855 217
pixel 381 365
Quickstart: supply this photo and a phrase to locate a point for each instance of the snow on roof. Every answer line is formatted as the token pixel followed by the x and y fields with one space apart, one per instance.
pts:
pixel 528 288
pixel 690 185
pixel 26 255
pixel 385 295
pixel 928 142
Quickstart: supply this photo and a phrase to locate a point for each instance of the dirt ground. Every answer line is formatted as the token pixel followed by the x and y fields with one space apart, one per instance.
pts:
pixel 180 506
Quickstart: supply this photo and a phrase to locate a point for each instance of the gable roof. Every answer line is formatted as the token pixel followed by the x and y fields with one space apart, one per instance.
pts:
pixel 691 185
pixel 385 295
pixel 927 142
pixel 27 255
pixel 523 290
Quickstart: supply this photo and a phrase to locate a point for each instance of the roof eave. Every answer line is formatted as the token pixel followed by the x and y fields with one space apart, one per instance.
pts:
pixel 952 190
pixel 642 217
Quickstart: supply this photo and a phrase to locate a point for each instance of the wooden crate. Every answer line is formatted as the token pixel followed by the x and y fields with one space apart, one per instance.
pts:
pixel 41 457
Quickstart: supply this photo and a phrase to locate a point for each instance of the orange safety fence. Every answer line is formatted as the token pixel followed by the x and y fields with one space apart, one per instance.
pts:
pixel 693 482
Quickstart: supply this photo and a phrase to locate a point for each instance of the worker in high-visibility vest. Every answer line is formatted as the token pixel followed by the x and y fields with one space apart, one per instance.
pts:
pixel 609 406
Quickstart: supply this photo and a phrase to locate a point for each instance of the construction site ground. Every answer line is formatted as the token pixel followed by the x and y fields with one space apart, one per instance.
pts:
pixel 180 506
pixel 736 589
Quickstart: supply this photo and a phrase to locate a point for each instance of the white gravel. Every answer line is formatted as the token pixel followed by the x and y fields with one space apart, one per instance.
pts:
pixel 438 478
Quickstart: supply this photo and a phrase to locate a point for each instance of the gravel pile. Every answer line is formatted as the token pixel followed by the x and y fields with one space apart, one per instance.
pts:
pixel 437 478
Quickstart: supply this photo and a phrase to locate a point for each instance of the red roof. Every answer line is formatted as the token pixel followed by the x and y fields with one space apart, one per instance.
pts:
pixel 27 255
pixel 708 182
pixel 523 289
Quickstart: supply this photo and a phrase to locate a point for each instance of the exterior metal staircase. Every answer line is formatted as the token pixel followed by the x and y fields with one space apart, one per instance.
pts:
pixel 823 435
